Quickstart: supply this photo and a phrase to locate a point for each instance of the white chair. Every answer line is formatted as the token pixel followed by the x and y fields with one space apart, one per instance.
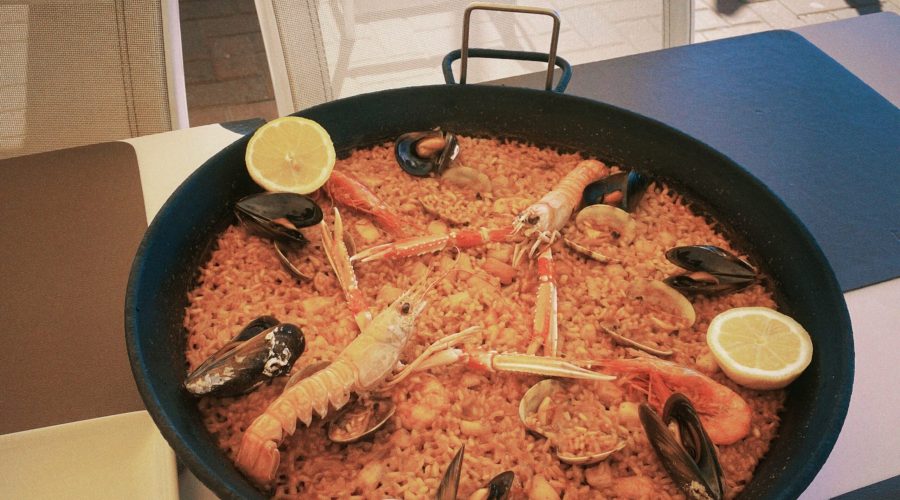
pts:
pixel 320 50
pixel 75 72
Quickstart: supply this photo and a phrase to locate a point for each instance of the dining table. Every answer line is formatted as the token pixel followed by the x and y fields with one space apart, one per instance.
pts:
pixel 811 112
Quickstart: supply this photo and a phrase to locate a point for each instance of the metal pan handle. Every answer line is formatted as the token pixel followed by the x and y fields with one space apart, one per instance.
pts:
pixel 550 58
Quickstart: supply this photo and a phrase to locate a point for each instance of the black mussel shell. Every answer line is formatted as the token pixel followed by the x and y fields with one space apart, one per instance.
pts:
pixel 413 164
pixel 710 259
pixel 707 284
pixel 450 482
pixel 241 366
pixel 278 215
pixel 631 184
pixel 499 486
pixel 692 464
pixel 255 327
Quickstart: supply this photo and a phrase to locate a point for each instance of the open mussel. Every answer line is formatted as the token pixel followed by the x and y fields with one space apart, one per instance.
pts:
pixel 691 460
pixel 278 215
pixel 498 487
pixel 425 153
pixel 711 270
pixel 622 190
pixel 263 350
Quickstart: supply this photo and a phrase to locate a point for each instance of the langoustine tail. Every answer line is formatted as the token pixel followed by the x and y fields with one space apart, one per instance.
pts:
pixel 258 456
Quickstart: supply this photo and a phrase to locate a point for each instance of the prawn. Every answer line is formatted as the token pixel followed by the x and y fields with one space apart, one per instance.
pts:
pixel 367 364
pixel 544 219
pixel 724 413
pixel 363 365
pixel 348 191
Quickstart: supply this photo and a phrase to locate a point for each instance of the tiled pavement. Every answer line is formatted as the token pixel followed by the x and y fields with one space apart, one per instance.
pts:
pixel 227 75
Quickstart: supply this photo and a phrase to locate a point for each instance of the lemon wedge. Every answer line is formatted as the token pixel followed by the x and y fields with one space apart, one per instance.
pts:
pixel 290 154
pixel 758 347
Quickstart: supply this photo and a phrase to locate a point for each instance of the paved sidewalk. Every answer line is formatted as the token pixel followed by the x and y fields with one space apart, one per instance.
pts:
pixel 227 76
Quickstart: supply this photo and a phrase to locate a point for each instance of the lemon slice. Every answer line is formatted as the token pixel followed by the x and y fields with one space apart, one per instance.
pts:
pixel 290 154
pixel 758 347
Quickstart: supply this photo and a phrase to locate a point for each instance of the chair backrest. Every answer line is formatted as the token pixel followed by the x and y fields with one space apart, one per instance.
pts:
pixel 84 71
pixel 352 47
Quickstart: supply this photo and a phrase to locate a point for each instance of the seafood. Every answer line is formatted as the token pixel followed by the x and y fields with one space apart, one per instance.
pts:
pixel 663 306
pixel 262 350
pixel 691 459
pixel 497 488
pixel 278 215
pixel 622 190
pixel 446 407
pixel 536 414
pixel 363 364
pixel 541 221
pixel 623 340
pixel 356 421
pixel 425 153
pixel 605 225
pixel 724 413
pixel 711 270
pixel 546 217
pixel 368 363
pixel 350 192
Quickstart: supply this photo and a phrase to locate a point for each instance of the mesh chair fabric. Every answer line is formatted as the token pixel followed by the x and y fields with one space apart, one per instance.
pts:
pixel 79 72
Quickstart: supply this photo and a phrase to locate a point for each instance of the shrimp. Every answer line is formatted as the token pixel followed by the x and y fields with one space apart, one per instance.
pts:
pixel 543 219
pixel 546 218
pixel 367 364
pixel 549 215
pixel 348 191
pixel 363 365
pixel 724 413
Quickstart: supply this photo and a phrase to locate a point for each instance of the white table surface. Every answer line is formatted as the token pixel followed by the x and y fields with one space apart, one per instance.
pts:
pixel 868 448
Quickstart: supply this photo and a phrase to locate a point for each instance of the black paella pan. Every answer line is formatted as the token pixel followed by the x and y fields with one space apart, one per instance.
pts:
pixel 179 238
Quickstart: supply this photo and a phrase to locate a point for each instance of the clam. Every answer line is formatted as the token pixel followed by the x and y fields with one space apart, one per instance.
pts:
pixel 497 488
pixel 424 153
pixel 278 215
pixel 360 419
pixel 622 190
pixel 531 404
pixel 260 352
pixel 606 223
pixel 691 458
pixel 629 342
pixel 711 270
pixel 663 305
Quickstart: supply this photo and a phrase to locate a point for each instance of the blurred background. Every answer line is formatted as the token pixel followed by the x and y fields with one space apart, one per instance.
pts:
pixel 373 45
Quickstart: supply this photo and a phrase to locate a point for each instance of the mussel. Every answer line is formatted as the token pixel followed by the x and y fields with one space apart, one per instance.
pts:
pixel 264 349
pixel 691 461
pixel 622 190
pixel 711 270
pixel 278 215
pixel 498 487
pixel 530 406
pixel 424 153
